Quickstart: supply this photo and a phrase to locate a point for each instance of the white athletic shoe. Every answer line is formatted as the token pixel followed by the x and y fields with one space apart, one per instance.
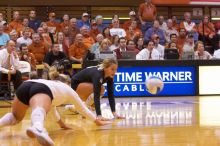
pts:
pixel 41 135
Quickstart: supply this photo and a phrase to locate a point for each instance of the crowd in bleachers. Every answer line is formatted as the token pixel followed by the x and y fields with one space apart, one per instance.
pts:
pixel 146 35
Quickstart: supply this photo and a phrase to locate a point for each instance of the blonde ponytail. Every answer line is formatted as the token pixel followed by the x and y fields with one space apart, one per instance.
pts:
pixel 55 75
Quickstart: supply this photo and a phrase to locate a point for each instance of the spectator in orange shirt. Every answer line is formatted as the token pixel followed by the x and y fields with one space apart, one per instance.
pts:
pixel 24 55
pixel 181 40
pixel 44 37
pixel 207 33
pixel 147 13
pixel 94 30
pixel 53 26
pixel 175 23
pixel 87 39
pixel 38 48
pixel 132 16
pixel 66 21
pixel 130 34
pixel 136 29
pixel 78 50
pixel 16 23
pixel 73 29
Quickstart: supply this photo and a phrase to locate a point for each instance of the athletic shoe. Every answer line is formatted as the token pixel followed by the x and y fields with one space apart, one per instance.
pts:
pixel 41 135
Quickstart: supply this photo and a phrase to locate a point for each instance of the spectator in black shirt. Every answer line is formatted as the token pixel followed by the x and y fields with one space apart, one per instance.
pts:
pixel 88 83
pixel 55 55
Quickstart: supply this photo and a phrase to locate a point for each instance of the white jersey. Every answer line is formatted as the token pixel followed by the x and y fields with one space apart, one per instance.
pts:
pixel 64 94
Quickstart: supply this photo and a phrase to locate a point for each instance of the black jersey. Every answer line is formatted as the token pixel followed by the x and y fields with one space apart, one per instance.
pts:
pixel 96 77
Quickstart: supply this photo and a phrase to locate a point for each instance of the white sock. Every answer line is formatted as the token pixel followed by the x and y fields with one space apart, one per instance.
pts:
pixel 8 119
pixel 37 118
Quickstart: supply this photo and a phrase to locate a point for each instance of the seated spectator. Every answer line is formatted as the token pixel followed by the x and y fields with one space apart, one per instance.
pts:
pixel 140 43
pixel 73 29
pixel 132 47
pixel 87 39
pixel 155 30
pixel 94 30
pixel 137 31
pixel 84 21
pixel 130 34
pixel 2 21
pixel 189 25
pixel 171 52
pixel 208 34
pixel 173 39
pixel 25 55
pixel 45 36
pixel 68 39
pixel 157 46
pixel 175 23
pixel 116 30
pixel 148 53
pixel 170 30
pixel 14 36
pixel 25 39
pixel 188 48
pixel 78 49
pixel 34 23
pixel 105 45
pixel 162 23
pixel 53 26
pixel 200 53
pixel 66 21
pixel 217 28
pixel 6 28
pixel 9 64
pixel 38 48
pixel 95 47
pixel 115 43
pixel 3 37
pixel 62 44
pixel 16 23
pixel 122 47
pixel 25 26
pixel 127 23
pixel 181 40
pixel 99 22
pixel 217 52
pixel 55 55
pixel 106 33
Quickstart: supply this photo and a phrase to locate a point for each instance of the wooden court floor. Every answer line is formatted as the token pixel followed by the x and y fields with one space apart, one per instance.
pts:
pixel 174 121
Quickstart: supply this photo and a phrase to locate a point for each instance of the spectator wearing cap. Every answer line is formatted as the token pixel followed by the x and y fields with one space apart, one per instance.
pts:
pixel 155 30
pixel 94 29
pixel 147 13
pixel 38 48
pixel 207 33
pixel 87 39
pixel 157 46
pixel 66 21
pixel 99 22
pixel 4 37
pixel 170 30
pixel 53 26
pixel 2 21
pixel 84 21
pixel 116 30
pixel 6 28
pixel 16 23
pixel 189 25
pixel 132 16
pixel 34 23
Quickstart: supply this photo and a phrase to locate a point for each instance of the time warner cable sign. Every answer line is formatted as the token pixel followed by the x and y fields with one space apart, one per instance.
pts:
pixel 130 81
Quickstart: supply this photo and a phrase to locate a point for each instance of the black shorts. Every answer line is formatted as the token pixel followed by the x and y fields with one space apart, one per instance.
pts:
pixel 28 89
pixel 74 84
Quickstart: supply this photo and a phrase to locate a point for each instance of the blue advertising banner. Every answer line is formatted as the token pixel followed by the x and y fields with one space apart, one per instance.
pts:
pixel 130 81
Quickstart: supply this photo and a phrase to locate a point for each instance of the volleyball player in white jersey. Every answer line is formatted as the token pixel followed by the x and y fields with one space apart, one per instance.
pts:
pixel 41 95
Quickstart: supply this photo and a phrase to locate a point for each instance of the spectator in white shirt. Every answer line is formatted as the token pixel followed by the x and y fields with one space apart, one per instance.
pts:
pixel 170 30
pixel 162 22
pixel 2 21
pixel 200 53
pixel 158 47
pixel 148 53
pixel 217 52
pixel 9 64
pixel 116 30
pixel 25 39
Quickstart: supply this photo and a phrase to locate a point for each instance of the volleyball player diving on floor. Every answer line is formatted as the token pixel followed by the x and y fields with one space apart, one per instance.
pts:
pixel 41 95
pixel 88 83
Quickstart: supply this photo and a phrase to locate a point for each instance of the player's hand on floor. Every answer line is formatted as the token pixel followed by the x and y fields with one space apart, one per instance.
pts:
pixel 116 116
pixel 103 118
pixel 102 123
